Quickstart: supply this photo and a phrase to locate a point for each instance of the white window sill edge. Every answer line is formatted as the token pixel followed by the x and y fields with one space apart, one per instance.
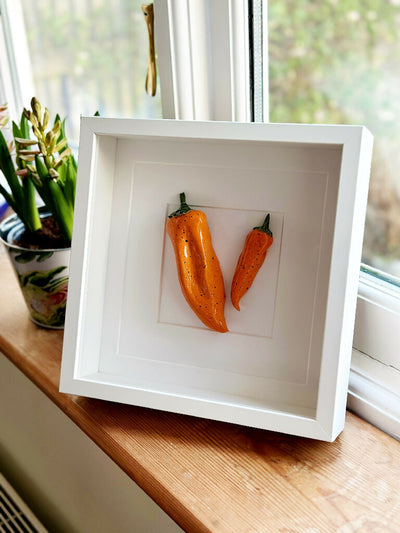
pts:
pixel 374 393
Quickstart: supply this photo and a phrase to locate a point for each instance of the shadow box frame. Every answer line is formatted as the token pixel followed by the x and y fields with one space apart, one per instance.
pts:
pixel 130 336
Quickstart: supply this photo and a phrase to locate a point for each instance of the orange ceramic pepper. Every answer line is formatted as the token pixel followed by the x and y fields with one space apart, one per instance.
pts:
pixel 199 271
pixel 250 261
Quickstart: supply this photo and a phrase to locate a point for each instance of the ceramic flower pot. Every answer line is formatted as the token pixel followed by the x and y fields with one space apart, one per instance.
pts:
pixel 42 276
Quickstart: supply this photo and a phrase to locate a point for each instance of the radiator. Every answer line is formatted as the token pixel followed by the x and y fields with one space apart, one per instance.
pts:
pixel 15 515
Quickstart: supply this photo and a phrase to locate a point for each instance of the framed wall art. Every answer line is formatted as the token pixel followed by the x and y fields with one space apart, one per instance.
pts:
pixel 130 335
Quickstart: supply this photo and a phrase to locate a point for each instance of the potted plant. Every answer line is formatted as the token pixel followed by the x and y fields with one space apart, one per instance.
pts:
pixel 38 239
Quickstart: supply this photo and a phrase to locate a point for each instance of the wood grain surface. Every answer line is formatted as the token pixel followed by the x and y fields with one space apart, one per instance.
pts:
pixel 218 477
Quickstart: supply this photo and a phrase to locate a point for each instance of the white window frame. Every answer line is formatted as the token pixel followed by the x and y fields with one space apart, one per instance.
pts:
pixel 203 59
pixel 15 71
pixel 374 386
pixel 202 48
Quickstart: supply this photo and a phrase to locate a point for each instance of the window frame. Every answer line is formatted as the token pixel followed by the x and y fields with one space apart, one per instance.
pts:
pixel 203 44
pixel 16 69
pixel 374 384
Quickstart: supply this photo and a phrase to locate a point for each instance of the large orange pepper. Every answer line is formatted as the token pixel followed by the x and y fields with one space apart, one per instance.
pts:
pixel 199 271
pixel 250 260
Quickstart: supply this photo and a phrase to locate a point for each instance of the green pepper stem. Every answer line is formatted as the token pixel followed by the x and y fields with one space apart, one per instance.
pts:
pixel 265 226
pixel 184 208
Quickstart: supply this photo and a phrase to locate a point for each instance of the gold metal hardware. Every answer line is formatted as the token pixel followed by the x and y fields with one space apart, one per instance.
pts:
pixel 151 76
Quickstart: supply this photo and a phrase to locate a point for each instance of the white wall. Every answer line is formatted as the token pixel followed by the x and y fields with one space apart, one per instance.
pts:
pixel 67 480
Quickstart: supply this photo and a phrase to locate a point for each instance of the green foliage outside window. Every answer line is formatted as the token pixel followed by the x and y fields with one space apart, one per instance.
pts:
pixel 338 61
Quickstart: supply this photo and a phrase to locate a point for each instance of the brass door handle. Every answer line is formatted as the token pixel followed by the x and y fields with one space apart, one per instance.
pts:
pixel 151 76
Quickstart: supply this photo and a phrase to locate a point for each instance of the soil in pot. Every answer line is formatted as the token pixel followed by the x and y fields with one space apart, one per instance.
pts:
pixel 47 237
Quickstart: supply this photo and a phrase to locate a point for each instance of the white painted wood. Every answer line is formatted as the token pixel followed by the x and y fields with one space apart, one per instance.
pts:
pixel 375 368
pixel 129 336
pixel 16 68
pixel 239 57
pixel 203 57
pixel 164 57
pixel 346 257
pixel 6 87
pixel 378 315
pixel 265 66
pixel 374 393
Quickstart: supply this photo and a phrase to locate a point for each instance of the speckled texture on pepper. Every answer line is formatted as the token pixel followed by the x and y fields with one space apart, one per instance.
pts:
pixel 250 260
pixel 198 267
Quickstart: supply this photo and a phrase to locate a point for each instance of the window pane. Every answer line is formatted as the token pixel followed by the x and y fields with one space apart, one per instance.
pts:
pixel 338 61
pixel 88 56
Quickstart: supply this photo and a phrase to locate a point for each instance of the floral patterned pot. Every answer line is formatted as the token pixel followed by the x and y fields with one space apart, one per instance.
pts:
pixel 42 276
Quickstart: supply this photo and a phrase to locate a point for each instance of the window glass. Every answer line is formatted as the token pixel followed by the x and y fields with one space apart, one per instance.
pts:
pixel 88 56
pixel 338 61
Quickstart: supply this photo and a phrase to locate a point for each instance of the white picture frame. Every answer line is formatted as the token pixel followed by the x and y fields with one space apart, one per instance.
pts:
pixel 130 336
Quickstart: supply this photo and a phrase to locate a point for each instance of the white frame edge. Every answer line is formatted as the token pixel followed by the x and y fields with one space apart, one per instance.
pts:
pixel 355 201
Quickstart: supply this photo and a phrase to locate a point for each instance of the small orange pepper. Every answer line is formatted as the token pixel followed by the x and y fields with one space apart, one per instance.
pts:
pixel 250 260
pixel 199 271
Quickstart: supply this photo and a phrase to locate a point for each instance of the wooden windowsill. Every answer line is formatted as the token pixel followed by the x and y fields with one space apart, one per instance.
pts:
pixel 213 476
